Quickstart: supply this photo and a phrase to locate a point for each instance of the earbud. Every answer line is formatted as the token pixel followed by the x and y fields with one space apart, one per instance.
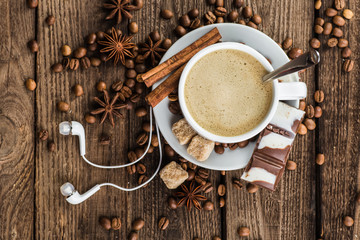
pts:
pixel 74 128
pixel 73 196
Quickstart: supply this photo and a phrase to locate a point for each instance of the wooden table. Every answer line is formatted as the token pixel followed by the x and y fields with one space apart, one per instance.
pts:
pixel 309 202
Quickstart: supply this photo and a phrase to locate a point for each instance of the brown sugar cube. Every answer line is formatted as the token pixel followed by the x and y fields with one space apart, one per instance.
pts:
pixel 173 175
pixel 183 131
pixel 200 148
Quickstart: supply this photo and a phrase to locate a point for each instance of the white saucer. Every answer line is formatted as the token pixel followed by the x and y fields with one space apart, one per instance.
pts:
pixel 230 32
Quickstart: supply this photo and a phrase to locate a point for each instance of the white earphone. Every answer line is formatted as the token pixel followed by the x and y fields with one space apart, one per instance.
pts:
pixel 76 128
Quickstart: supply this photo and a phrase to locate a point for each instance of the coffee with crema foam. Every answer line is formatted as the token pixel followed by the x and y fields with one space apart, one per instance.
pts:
pixel 224 92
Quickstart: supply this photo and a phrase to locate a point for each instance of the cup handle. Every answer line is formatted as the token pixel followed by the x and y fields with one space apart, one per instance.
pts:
pixel 292 90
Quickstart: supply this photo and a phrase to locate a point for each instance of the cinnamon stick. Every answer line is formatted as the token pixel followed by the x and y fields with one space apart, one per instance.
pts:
pixel 165 88
pixel 157 73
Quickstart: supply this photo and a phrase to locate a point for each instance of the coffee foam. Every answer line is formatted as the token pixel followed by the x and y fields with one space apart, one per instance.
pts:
pixel 224 92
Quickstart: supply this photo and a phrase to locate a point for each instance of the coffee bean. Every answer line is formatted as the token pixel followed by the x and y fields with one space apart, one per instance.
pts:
pixel 337 32
pixel 251 24
pixel 295 52
pixel 243 143
pixel 319 96
pixel 237 184
pixel 221 190
pixel 210 16
pixel 310 124
pixel 180 31
pixel 129 63
pixel 348 221
pixel 200 180
pixel 220 11
pixel 100 35
pixel 287 43
pixel 139 88
pixel 319 21
pixel 85 62
pixel 130 82
pixel 184 166
pixel 74 64
pixel 80 52
pixel 330 12
pixel 140 68
pixel 51 146
pixel 173 97
pixel 63 106
pixel 101 86
pixel 90 118
pixel 30 84
pixel 317 4
pixel 166 43
pixel 318 112
pixel 233 146
pixel 169 151
pixel 238 3
pixel 192 166
pixel 208 187
pixel 142 138
pixel 191 174
pixel 195 23
pixel 318 29
pixel 348 14
pixel 346 52
pixel 208 206
pixel 104 139
pixel 315 43
pixel 185 20
pixel 57 67
pixel 348 65
pixel 244 231
pixel 131 169
pixel 309 111
pixel 155 36
pixel 130 73
pixel 50 20
pixel 33 46
pixel 116 86
pixel 172 203
pixel 339 4
pixel 233 16
pixel 166 13
pixel 91 38
pixel 204 173
pixel 133 27
pixel 242 22
pixel 116 223
pixel 223 173
pixel 291 165
pixel 220 20
pixel 256 19
pixel 43 135
pixel 221 202
pixel 105 223
pixel 193 13
pixel 327 28
pixel 216 238
pixel 95 62
pixel 133 236
pixel 137 224
pixel 252 188
pixel 32 3
pixel 131 156
pixel 302 129
pixel 343 43
pixel 219 149
pixel 163 223
pixel 219 3
pixel 211 2
pixel 174 107
pixel 140 168
pixel 247 12
pixel 146 127
pixel 135 98
pixel 139 152
pixel 140 111
pixel 154 140
pixel 65 63
pixel 320 159
pixel 142 179
pixel 302 105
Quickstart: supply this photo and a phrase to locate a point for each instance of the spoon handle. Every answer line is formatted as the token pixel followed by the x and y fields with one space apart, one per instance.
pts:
pixel 304 61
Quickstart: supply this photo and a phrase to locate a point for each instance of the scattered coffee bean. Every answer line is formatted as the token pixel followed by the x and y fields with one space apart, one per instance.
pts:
pixel 221 202
pixel 138 3
pixel 172 203
pixel 193 13
pixel 185 20
pixel 318 29
pixel 348 14
pixel 95 62
pixel 166 13
pixel 63 106
pixel 247 12
pixel 129 63
pixel 130 83
pixel 319 96
pixel 346 52
pixel 180 31
pixel 242 22
pixel 166 43
pixel 327 28
pixel 184 166
pixel 154 140
pixel 50 20
pixel 130 73
pixel 337 32
pixel 295 52
pixel 211 2
pixel 104 139
pixel 320 159
pixel 133 236
pixel 302 105
pixel 233 146
pixel 85 62
pixel 137 224
pixel 139 88
pixel 216 238
pixel 140 68
pixel 208 187
pixel 116 86
pixel 208 206
pixel 315 43
pixel 317 4
pixel 191 174
pixel 256 19
pixel 135 98
pixel 200 180
pixel 219 149
pixel 332 42
pixel 343 43
pixel 348 65
pixel 142 138
pixel 339 21
pixel 233 16
pixel 30 84
pixel 169 151
pixel 142 179
pixel 78 90
pixel 132 156
pixel 126 91
pixel 348 221
pixel 192 165
pixel 116 223
pixel 163 223
pixel 74 64
pixel 291 165
pixel 43 135
pixel 237 184
pixel 302 129
pixel 220 20
pixel 318 112
pixel 80 52
pixel 220 11
pixel 32 3
pixel 309 110
pixel 339 4
pixel 139 152
pixel 133 27
pixel 65 63
pixel 252 188
pixel 146 127
pixel 51 146
pixel 155 36
pixel 251 24
pixel 243 143
pixel 91 38
pixel 105 223
pixel 310 124
pixel 204 173
pixel 101 86
pixel 209 15
pixel 244 231
pixel 238 3
pixel 219 3
pixel 221 190
pixel 131 169
pixel 57 67
pixel 223 173
pixel 90 118
pixel 140 168
pixel 174 107
pixel 140 112
pixel 319 21
pixel 330 12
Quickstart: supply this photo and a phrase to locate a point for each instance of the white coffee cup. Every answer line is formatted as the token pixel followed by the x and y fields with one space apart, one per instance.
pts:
pixel 281 91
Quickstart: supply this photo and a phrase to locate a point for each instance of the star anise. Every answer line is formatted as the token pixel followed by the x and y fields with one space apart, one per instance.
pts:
pixel 152 50
pixel 108 108
pixel 119 46
pixel 190 195
pixel 121 8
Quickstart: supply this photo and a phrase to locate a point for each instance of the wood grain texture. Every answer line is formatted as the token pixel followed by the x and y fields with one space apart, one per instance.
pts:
pixel 338 133
pixel 16 121
pixel 289 212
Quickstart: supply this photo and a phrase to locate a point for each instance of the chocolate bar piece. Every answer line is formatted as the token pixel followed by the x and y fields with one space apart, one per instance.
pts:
pixel 273 147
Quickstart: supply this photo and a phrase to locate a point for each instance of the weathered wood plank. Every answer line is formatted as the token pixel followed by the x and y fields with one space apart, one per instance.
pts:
pixel 289 212
pixel 16 121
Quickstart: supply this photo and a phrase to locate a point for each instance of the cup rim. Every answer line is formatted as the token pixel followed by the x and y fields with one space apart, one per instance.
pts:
pixel 200 130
